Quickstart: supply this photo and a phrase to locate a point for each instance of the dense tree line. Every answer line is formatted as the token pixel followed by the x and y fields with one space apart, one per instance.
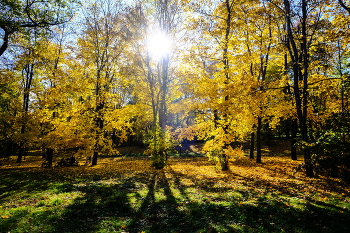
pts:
pixel 158 72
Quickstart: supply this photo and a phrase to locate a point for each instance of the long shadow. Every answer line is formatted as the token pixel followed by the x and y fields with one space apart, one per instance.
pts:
pixel 28 180
pixel 164 215
pixel 153 215
pixel 264 215
pixel 107 208
pixel 100 202
pixel 177 182
pixel 85 214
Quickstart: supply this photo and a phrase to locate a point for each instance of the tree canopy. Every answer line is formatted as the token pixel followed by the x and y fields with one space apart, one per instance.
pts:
pixel 160 72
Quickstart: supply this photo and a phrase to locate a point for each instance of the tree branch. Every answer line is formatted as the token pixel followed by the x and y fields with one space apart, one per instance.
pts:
pixel 5 40
pixel 342 4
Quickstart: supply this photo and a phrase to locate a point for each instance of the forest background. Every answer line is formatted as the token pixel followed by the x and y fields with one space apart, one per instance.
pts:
pixel 94 76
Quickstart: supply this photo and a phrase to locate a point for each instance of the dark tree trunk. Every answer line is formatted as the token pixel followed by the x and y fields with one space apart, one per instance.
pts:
pixel 252 145
pixel 29 71
pixel 293 148
pixel 5 41
pixel 267 134
pixel 43 153
pixel 342 4
pixel 287 131
pixel 299 58
pixel 94 158
pixel 258 141
pixel 49 156
pixel 304 125
pixel 9 149
pixel 98 121
pixel 20 153
pixel 224 166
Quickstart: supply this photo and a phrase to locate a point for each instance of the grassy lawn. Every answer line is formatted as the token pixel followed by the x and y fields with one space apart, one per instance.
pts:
pixel 189 195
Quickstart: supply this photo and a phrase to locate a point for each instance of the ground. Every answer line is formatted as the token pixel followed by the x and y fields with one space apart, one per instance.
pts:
pixel 124 194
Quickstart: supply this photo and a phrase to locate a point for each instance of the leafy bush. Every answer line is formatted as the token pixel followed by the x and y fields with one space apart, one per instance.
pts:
pixel 331 155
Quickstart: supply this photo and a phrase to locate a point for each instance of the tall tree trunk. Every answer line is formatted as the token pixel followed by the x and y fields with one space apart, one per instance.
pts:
pixel 252 145
pixel 258 140
pixel 304 125
pixel 299 58
pixel 293 148
pixel 225 60
pixel 29 72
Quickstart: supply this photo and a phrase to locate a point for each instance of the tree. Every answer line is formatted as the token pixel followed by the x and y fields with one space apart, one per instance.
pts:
pixel 102 50
pixel 18 15
pixel 154 27
pixel 238 88
pixel 32 46
pixel 219 27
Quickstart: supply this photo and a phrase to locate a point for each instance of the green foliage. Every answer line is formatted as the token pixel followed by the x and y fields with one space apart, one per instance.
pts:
pixel 159 142
pixel 18 13
pixel 331 155
pixel 7 114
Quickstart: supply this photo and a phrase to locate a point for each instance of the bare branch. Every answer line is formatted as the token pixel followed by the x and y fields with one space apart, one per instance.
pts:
pixel 342 4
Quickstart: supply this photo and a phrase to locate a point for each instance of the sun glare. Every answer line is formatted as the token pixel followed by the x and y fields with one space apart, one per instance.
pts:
pixel 159 44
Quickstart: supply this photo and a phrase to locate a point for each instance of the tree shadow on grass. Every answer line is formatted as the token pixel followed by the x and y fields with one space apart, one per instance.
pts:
pixel 264 214
pixel 160 214
pixel 106 207
pixel 28 181
pixel 99 203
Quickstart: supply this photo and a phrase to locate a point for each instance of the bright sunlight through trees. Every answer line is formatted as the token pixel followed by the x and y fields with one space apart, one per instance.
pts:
pixel 159 44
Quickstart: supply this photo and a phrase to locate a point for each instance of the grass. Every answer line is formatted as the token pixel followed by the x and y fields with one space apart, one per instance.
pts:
pixel 189 195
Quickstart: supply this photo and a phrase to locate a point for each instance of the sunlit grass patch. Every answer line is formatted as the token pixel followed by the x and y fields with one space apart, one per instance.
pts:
pixel 189 195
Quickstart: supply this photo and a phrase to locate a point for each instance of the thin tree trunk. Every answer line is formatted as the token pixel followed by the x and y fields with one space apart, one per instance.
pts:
pixel 299 58
pixel 304 126
pixel 293 148
pixel 9 148
pixel 252 145
pixel 20 153
pixel 258 141
pixel 29 70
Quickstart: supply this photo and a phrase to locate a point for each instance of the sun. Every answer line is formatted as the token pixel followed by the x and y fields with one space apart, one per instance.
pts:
pixel 159 44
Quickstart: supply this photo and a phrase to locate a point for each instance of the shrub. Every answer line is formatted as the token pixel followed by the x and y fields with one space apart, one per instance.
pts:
pixel 331 155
